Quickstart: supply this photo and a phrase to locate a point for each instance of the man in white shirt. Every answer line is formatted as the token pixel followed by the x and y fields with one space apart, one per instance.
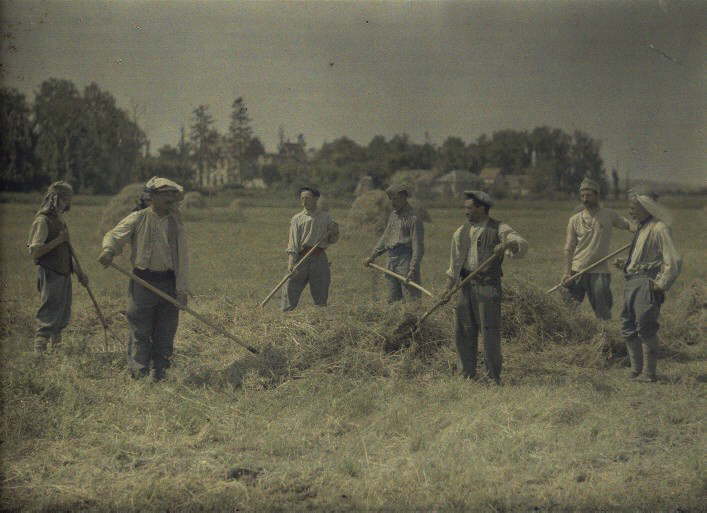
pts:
pixel 479 305
pixel 652 266
pixel 159 256
pixel 308 227
pixel 589 240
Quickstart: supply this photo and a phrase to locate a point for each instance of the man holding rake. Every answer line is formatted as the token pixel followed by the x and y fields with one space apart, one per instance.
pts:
pixel 49 246
pixel 159 256
pixel 479 306
pixel 313 230
pixel 588 241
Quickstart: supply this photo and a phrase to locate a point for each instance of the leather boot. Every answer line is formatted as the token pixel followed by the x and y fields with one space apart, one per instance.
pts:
pixel 650 359
pixel 635 354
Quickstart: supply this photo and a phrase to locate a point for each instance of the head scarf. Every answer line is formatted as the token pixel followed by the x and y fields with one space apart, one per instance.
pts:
pixel 54 192
pixel 648 201
pixel 157 183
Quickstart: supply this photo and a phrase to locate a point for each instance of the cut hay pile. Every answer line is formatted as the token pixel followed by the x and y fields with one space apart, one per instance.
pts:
pixel 237 209
pixel 369 212
pixel 194 199
pixel 121 205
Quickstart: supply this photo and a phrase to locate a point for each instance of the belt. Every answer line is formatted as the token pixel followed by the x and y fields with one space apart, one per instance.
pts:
pixel 317 251
pixel 150 275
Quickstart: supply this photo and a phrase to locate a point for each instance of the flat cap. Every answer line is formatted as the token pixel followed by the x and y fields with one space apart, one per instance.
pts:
pixel 590 184
pixel 397 188
pixel 164 184
pixel 480 196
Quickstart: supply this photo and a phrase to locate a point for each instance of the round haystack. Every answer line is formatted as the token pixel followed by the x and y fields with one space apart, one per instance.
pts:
pixel 121 205
pixel 194 199
pixel 369 212
pixel 237 210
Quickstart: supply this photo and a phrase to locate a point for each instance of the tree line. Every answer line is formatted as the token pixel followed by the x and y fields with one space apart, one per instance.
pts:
pixel 87 139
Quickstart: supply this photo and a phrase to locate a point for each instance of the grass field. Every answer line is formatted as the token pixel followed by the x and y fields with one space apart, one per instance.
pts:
pixel 323 419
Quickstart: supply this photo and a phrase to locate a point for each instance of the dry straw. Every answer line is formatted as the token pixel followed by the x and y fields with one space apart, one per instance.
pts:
pixel 194 199
pixel 369 212
pixel 121 205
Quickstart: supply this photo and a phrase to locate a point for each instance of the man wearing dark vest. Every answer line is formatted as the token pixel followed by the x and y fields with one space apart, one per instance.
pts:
pixel 49 246
pixel 404 241
pixel 159 256
pixel 479 306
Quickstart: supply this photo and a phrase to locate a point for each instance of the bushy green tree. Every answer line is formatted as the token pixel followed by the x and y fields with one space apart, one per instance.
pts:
pixel 18 169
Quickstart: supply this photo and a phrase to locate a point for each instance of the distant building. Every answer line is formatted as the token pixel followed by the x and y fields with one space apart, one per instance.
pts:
pixel 491 177
pixel 454 183
pixel 518 186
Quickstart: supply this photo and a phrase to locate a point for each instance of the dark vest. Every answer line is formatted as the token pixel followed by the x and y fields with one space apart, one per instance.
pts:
pixel 488 239
pixel 58 259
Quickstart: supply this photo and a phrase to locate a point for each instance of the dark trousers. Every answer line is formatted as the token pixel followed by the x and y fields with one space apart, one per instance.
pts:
pixel 315 272
pixel 597 287
pixel 399 260
pixel 153 325
pixel 55 309
pixel 479 310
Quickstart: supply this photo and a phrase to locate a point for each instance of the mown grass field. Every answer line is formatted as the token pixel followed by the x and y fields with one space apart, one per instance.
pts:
pixel 323 419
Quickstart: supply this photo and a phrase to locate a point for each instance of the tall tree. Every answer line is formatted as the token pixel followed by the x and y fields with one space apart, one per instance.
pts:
pixel 239 136
pixel 18 170
pixel 204 140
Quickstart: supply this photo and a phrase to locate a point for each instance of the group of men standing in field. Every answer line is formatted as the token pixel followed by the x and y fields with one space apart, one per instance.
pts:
pixel 160 257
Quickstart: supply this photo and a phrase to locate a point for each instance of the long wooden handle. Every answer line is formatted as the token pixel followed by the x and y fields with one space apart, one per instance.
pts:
pixel 589 268
pixel 401 278
pixel 176 303
pixel 101 318
pixel 294 270
pixel 458 287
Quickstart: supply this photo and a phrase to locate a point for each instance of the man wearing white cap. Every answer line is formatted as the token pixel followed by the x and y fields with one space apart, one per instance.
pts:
pixel 479 305
pixel 49 246
pixel 404 241
pixel 159 256
pixel 589 240
pixel 651 268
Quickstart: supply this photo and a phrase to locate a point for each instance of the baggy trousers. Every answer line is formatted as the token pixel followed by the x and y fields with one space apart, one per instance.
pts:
pixel 55 309
pixel 399 259
pixel 314 271
pixel 479 310
pixel 639 322
pixel 597 287
pixel 153 325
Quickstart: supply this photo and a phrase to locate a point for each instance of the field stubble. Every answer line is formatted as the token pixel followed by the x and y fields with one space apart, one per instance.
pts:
pixel 325 419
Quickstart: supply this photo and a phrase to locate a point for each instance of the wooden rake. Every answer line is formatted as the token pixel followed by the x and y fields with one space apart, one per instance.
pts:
pixel 588 268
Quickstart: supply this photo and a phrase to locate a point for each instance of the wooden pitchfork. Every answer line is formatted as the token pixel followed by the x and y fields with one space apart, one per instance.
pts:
pixel 176 303
pixel 294 269
pixel 401 278
pixel 588 268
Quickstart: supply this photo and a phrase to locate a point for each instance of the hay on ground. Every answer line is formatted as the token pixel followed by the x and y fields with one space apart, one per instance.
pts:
pixel 120 206
pixel 237 209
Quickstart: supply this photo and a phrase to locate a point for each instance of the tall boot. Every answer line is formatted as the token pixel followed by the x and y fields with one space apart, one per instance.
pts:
pixel 633 347
pixel 650 358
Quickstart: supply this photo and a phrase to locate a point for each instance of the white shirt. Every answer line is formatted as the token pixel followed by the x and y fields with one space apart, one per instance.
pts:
pixel 654 248
pixel 589 237
pixel 306 228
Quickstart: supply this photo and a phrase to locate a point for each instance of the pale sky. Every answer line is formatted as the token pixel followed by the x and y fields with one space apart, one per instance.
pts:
pixel 630 73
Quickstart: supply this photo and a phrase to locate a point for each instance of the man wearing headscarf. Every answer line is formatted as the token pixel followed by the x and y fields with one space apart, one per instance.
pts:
pixel 50 247
pixel 651 268
pixel 589 240
pixel 478 309
pixel 404 241
pixel 159 256
pixel 308 227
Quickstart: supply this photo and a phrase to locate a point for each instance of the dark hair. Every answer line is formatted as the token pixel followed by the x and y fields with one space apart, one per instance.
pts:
pixel 479 203
pixel 314 191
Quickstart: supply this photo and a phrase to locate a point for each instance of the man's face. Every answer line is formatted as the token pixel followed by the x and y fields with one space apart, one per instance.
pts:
pixel 637 211
pixel 308 200
pixel 589 198
pixel 398 200
pixel 164 200
pixel 64 202
pixel 473 211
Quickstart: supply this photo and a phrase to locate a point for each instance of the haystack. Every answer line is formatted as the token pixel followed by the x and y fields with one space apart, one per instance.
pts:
pixel 370 211
pixel 121 205
pixel 194 199
pixel 237 210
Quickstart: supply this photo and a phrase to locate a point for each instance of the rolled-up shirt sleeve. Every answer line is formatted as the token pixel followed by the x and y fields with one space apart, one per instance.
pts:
pixel 455 259
pixel 671 262
pixel 293 242
pixel 114 240
pixel 508 234
pixel 570 238
pixel 621 222
pixel 38 233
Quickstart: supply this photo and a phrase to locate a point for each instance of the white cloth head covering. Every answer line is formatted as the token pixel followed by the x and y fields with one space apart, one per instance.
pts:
pixel 157 183
pixel 648 201
pixel 590 184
